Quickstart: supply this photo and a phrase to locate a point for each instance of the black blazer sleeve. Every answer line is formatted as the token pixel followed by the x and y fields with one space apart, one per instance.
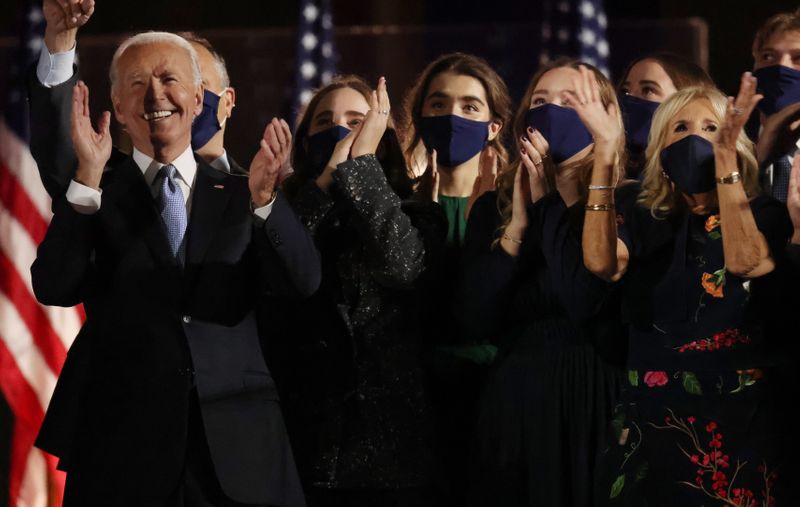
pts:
pixel 51 141
pixel 63 267
pixel 290 262
pixel 395 251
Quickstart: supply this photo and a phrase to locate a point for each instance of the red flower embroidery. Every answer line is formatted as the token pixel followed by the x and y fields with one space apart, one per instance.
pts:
pixel 655 378
pixel 714 475
pixel 724 339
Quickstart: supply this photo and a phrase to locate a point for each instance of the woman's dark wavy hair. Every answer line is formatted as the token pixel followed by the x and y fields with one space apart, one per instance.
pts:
pixel 389 152
pixel 682 72
pixel 462 64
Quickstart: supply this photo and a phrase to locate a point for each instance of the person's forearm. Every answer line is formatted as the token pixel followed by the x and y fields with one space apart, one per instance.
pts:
pixel 59 41
pixel 744 247
pixel 599 239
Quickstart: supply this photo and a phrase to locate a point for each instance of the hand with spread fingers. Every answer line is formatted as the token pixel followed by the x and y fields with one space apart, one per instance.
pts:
pixel 738 111
pixel 275 149
pixel 601 120
pixel 486 180
pixel 374 125
pixel 535 158
pixel 92 148
pixel 430 179
pixel 63 18
pixel 340 154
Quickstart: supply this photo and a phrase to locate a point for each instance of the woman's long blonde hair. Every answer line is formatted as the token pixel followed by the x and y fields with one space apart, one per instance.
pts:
pixel 657 192
pixel 608 95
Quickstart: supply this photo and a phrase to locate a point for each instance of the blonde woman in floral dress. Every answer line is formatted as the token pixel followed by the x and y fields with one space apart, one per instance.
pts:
pixel 699 255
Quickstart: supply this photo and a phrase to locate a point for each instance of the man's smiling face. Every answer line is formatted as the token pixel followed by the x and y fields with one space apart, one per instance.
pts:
pixel 156 98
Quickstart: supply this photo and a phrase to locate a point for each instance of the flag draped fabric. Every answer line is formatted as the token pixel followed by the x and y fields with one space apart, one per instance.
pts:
pixel 316 55
pixel 575 29
pixel 34 339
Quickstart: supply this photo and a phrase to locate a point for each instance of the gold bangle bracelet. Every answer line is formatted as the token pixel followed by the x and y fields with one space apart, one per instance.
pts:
pixel 513 240
pixel 731 178
pixel 599 207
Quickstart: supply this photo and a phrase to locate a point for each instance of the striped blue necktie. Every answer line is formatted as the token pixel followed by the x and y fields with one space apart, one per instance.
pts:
pixel 172 208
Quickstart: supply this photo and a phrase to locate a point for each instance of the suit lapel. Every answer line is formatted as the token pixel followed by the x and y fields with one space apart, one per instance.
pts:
pixel 135 202
pixel 209 202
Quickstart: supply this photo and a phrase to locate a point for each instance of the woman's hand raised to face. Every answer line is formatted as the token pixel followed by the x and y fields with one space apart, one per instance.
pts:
pixel 374 124
pixel 535 158
pixel 601 120
pixel 737 113
pixel 486 181
pixel 340 154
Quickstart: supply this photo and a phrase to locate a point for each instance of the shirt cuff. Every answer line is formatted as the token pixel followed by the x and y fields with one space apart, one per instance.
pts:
pixel 264 211
pixel 85 200
pixel 54 69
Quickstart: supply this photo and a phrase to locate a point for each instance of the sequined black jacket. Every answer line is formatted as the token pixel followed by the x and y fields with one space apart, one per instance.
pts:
pixel 355 397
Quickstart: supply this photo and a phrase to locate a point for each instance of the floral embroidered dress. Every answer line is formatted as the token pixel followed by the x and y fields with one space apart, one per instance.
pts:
pixel 700 421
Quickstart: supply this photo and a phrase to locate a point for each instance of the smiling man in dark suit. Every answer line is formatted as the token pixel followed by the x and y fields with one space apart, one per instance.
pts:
pixel 169 256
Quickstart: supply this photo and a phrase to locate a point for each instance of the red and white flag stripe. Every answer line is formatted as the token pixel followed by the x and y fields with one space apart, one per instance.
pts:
pixel 33 338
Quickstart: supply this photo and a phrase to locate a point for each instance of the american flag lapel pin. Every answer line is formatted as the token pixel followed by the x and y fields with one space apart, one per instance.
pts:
pixel 219 186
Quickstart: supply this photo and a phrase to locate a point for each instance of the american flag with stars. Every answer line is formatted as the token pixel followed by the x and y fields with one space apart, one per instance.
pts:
pixel 576 29
pixel 316 54
pixel 34 339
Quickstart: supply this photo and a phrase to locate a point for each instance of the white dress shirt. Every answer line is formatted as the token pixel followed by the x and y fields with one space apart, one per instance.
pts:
pixel 86 200
pixel 221 163
pixel 56 68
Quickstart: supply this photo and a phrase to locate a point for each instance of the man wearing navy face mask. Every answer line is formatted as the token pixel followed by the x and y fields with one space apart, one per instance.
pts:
pixel 219 99
pixel 776 52
pixel 57 66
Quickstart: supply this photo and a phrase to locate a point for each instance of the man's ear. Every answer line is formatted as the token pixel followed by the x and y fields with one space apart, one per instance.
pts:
pixel 115 102
pixel 230 101
pixel 494 129
pixel 198 100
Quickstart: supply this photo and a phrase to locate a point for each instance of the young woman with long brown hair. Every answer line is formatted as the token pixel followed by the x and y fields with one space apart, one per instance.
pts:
pixel 457 112
pixel 544 411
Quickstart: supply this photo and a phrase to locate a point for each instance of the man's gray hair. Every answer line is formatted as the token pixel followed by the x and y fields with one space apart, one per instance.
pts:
pixel 219 61
pixel 141 39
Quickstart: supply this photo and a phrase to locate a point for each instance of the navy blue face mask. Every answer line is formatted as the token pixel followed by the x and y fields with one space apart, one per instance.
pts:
pixel 321 146
pixel 780 86
pixel 689 163
pixel 454 138
pixel 562 129
pixel 637 114
pixel 206 124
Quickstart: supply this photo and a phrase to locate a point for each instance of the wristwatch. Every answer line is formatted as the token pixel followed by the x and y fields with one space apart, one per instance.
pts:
pixel 731 178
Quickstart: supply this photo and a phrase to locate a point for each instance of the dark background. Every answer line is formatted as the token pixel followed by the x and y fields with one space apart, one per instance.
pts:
pixel 395 38
pixel 731 24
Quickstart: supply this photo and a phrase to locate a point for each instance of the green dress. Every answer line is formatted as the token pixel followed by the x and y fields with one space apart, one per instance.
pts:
pixel 455 211
pixel 457 364
pixel 454 208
